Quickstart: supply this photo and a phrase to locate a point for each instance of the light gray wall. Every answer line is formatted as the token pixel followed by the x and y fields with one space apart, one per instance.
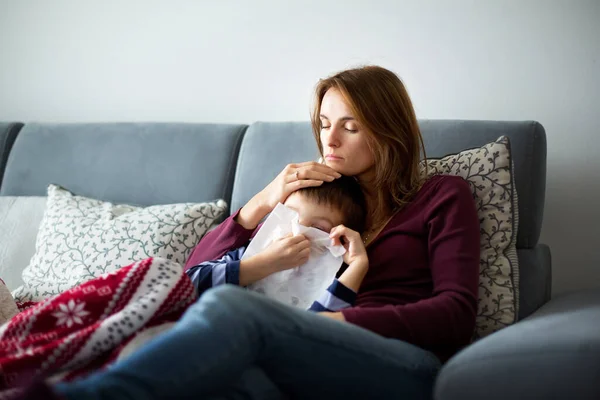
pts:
pixel 241 61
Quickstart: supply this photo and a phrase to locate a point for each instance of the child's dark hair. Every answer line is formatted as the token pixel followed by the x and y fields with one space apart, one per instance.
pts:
pixel 344 194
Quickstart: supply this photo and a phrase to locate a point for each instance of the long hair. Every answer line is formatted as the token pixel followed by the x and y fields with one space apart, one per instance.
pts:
pixel 381 105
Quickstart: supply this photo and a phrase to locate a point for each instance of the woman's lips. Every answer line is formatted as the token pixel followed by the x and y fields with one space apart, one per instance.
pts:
pixel 331 157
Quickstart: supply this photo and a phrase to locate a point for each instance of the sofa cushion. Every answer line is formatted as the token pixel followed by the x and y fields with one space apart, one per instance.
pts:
pixel 488 170
pixel 553 354
pixel 266 149
pixel 528 143
pixel 20 219
pixel 81 238
pixel 133 163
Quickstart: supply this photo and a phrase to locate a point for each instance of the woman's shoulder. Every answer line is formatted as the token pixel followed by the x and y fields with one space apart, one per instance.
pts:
pixel 442 184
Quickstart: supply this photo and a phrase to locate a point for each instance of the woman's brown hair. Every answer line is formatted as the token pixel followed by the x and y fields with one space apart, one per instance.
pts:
pixel 381 105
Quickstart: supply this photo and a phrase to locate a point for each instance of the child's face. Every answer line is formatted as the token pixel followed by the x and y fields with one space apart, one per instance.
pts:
pixel 312 214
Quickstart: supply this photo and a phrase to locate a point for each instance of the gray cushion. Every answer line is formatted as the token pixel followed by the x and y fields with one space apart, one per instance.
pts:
pixel 141 164
pixel 535 278
pixel 528 143
pixel 553 354
pixel 8 134
pixel 268 147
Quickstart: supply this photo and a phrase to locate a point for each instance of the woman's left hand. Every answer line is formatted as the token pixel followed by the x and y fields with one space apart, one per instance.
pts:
pixel 333 315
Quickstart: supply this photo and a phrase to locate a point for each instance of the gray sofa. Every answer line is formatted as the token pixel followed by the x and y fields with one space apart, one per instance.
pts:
pixel 148 164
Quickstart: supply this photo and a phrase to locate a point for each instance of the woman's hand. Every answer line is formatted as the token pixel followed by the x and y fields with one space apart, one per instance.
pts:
pixel 355 256
pixel 292 178
pixel 338 316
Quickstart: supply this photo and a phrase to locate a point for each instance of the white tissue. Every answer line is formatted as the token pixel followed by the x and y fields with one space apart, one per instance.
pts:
pixel 302 285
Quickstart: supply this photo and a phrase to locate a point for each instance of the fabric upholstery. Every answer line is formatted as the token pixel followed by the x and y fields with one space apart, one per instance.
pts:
pixel 81 238
pixel 266 149
pixel 20 218
pixel 489 173
pixel 528 141
pixel 535 278
pixel 141 164
pixel 553 354
pixel 8 134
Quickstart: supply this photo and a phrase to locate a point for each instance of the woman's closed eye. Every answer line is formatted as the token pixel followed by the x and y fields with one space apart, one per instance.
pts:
pixel 351 128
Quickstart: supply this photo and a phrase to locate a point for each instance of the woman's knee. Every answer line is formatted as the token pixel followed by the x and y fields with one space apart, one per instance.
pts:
pixel 229 296
pixel 222 299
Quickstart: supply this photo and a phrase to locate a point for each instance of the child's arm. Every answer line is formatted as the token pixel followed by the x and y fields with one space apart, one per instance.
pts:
pixel 217 272
pixel 284 253
pixel 342 292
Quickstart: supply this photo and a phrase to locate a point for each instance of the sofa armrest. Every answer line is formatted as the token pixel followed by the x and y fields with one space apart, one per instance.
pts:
pixel 552 354
pixel 8 135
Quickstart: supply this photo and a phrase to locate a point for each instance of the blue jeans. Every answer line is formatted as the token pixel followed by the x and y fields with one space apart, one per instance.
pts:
pixel 233 343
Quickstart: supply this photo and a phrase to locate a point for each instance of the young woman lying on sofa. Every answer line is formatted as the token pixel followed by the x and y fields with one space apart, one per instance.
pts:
pixel 415 306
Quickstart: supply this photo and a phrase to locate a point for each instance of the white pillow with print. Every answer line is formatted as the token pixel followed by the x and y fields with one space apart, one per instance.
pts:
pixel 81 238
pixel 489 172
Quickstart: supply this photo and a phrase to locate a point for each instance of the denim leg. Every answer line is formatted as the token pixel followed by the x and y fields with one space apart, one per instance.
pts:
pixel 231 330
pixel 254 384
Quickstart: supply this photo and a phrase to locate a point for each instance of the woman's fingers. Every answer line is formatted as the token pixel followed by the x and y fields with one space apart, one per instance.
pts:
pixel 303 183
pixel 312 166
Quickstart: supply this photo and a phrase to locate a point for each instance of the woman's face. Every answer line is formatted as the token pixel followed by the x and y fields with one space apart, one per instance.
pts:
pixel 344 141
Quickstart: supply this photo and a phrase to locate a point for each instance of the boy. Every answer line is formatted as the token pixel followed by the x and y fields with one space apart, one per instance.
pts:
pixel 323 207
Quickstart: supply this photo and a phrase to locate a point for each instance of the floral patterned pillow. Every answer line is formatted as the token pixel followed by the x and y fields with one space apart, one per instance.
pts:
pixel 81 238
pixel 489 172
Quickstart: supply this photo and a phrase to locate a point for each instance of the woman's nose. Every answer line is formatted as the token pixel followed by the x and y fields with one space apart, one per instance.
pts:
pixel 331 137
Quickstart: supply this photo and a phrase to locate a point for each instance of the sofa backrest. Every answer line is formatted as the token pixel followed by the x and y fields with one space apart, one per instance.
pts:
pixel 8 134
pixel 163 163
pixel 140 164
pixel 268 147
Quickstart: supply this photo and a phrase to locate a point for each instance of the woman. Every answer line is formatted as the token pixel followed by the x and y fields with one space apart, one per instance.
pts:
pixel 416 305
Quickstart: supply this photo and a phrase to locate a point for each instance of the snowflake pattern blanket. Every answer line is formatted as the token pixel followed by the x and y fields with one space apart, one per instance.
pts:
pixel 84 328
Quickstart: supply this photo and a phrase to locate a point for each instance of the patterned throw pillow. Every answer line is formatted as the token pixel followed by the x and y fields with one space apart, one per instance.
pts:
pixel 489 172
pixel 81 238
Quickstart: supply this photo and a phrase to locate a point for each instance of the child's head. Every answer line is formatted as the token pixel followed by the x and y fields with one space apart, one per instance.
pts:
pixel 331 204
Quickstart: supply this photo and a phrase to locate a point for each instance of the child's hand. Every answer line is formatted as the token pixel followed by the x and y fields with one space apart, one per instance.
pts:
pixel 355 256
pixel 285 253
pixel 352 242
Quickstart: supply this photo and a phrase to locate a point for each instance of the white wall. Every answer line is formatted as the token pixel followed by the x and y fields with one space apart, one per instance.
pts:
pixel 241 61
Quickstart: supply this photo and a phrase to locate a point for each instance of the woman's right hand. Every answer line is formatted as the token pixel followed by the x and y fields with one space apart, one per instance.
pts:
pixel 294 177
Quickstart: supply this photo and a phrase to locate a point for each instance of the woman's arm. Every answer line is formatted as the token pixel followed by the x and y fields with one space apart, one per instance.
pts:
pixel 236 230
pixel 448 317
pixel 216 243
